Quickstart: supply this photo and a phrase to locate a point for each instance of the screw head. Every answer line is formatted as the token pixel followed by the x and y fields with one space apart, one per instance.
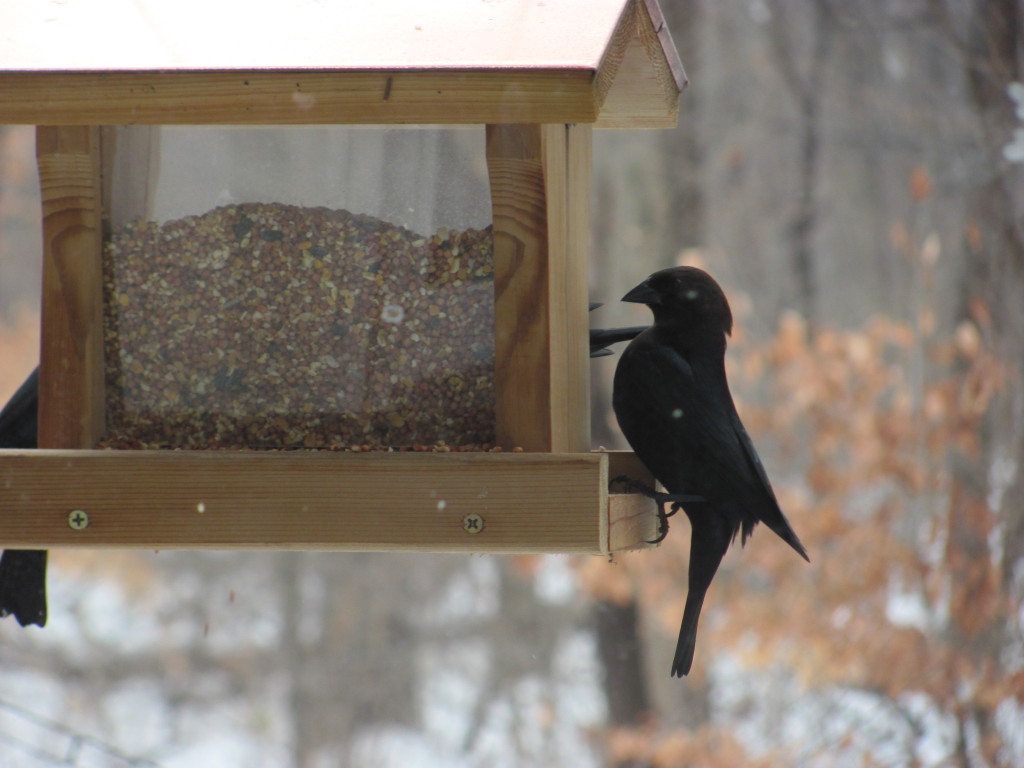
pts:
pixel 472 523
pixel 78 519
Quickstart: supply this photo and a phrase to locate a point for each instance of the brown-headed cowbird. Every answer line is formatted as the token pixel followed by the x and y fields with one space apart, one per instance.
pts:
pixel 672 401
pixel 22 571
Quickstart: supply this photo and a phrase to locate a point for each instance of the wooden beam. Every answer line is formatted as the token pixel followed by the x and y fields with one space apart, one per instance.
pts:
pixel 522 350
pixel 71 381
pixel 316 500
pixel 152 62
pixel 540 191
pixel 640 76
pixel 304 97
pixel 626 463
pixel 570 282
pixel 632 522
pixel 632 517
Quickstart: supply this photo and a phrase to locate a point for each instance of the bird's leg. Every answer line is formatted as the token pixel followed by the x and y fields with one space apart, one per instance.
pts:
pixel 663 517
pixel 661 499
pixel 662 525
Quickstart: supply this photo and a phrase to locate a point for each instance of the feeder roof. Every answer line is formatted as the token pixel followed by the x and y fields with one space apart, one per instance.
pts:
pixel 609 62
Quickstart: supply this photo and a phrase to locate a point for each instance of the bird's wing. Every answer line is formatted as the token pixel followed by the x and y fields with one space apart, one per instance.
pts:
pixel 771 514
pixel 681 422
pixel 670 416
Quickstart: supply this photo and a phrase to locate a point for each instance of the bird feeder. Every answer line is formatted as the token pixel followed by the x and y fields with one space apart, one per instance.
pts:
pixel 320 369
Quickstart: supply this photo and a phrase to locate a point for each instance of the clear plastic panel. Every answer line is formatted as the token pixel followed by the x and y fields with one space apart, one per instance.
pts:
pixel 299 287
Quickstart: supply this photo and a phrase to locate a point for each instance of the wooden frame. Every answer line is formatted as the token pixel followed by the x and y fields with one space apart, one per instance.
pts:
pixel 525 502
pixel 71 355
pixel 604 62
pixel 620 70
pixel 540 182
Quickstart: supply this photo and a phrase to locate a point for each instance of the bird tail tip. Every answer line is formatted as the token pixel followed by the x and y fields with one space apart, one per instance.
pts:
pixel 683 659
pixel 788 535
pixel 799 547
pixel 681 667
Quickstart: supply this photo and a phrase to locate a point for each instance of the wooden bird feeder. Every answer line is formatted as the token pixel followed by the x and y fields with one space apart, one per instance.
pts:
pixel 152 325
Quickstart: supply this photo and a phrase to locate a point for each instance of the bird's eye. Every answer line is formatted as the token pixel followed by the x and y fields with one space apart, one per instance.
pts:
pixel 691 294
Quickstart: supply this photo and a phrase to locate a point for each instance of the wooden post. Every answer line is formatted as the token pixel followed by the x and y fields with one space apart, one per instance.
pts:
pixel 71 383
pixel 540 191
pixel 570 282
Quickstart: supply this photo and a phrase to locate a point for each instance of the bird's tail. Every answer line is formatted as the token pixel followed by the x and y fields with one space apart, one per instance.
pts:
pixel 687 642
pixel 709 539
pixel 787 534
pixel 23 586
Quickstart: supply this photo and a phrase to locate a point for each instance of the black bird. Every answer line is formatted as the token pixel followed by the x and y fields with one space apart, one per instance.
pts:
pixel 22 571
pixel 672 401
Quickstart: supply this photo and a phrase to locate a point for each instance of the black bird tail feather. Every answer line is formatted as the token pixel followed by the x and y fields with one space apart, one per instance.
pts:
pixel 687 642
pixel 787 534
pixel 709 540
pixel 23 585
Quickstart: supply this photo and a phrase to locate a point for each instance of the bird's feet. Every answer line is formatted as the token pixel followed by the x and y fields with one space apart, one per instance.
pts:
pixel 661 499
pixel 663 517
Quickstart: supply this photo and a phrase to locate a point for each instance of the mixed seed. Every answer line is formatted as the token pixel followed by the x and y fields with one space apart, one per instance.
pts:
pixel 277 326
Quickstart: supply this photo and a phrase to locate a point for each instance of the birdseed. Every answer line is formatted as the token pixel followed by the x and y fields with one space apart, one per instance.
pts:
pixel 277 326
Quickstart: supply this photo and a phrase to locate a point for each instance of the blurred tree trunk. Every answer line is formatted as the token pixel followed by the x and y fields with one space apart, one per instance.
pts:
pixel 625 684
pixel 682 149
pixel 349 656
pixel 619 648
pixel 988 35
pixel 993 56
pixel 805 82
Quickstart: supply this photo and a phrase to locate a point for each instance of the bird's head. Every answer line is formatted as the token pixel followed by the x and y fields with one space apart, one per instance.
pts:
pixel 686 297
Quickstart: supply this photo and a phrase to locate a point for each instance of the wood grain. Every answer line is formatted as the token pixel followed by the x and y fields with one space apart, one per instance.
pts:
pixel 640 77
pixel 71 399
pixel 540 190
pixel 632 517
pixel 307 500
pixel 570 283
pixel 104 63
pixel 256 97
pixel 632 522
pixel 522 322
pixel 626 463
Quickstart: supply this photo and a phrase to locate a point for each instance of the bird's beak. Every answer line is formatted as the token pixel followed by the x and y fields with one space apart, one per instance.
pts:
pixel 642 294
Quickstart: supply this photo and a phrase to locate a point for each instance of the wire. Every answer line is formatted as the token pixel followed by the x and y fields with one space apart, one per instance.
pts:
pixel 75 745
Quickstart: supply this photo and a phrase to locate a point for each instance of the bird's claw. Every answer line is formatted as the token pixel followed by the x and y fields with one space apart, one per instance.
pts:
pixel 663 517
pixel 661 499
